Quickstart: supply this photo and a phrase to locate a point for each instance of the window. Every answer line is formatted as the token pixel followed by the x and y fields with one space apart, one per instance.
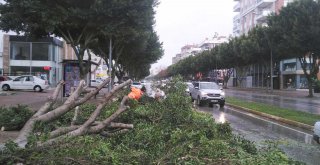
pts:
pixel 289 66
pixel 19 78
pixel 209 86
pixel 41 52
pixel 20 70
pixel 20 51
pixel 29 78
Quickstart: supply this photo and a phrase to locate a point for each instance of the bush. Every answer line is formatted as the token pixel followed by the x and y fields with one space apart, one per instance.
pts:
pixel 14 118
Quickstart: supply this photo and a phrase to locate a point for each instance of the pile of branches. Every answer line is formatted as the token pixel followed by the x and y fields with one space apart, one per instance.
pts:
pixel 49 112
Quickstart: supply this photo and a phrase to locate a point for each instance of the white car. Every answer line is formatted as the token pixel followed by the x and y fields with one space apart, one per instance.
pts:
pixel 95 83
pixel 189 87
pixel 137 85
pixel 208 92
pixel 25 82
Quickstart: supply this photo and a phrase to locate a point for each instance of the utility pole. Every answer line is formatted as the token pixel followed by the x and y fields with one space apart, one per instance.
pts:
pixel 271 71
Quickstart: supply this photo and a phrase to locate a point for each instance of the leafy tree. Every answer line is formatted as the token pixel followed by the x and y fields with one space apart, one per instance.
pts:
pixel 298 24
pixel 79 23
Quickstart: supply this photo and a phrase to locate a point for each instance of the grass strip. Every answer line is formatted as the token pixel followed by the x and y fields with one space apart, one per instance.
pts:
pixel 291 114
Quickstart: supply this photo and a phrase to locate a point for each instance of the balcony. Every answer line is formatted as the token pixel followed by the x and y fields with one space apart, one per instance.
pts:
pixel 236 28
pixel 264 3
pixel 262 16
pixel 236 8
pixel 236 18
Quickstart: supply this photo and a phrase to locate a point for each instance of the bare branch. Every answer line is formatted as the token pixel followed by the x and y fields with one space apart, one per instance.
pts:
pixel 107 121
pixel 120 125
pixel 75 117
pixel 21 140
pixel 63 130
pixel 108 134
pixel 67 106
pixel 92 93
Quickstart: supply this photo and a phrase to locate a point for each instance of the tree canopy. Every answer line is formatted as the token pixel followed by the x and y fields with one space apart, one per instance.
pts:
pixel 81 23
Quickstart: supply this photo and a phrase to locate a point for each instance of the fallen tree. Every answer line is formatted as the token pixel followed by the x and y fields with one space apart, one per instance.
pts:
pixel 49 112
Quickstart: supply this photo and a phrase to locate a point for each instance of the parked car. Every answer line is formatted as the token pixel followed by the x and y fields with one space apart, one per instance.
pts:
pixel 95 82
pixel 208 92
pixel 316 132
pixel 189 87
pixel 4 78
pixel 25 82
pixel 137 85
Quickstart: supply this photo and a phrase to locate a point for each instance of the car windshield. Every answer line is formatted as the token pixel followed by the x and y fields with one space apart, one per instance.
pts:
pixel 208 86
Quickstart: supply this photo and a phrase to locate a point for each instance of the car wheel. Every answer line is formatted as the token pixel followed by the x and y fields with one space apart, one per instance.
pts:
pixel 37 89
pixel 199 102
pixel 221 105
pixel 6 87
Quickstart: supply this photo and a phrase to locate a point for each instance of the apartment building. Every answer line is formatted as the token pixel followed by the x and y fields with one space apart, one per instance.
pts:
pixel 194 49
pixel 288 73
pixel 254 12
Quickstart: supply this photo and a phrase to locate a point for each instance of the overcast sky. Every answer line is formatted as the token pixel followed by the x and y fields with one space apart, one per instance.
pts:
pixel 181 22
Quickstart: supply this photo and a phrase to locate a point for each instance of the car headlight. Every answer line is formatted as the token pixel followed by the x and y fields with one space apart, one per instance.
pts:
pixel 223 94
pixel 203 93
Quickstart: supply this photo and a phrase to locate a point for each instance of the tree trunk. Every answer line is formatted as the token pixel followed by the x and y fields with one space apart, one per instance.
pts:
pixel 45 114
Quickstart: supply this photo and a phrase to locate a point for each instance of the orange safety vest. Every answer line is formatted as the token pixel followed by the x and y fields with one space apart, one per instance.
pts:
pixel 135 93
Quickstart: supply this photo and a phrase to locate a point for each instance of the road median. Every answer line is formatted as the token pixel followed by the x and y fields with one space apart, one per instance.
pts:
pixel 272 117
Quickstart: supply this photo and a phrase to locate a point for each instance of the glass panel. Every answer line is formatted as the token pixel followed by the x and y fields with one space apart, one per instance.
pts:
pixel 20 70
pixel 208 86
pixel 303 84
pixel 41 73
pixel 289 81
pixel 20 51
pixel 54 53
pixel 289 67
pixel 29 78
pixel 40 52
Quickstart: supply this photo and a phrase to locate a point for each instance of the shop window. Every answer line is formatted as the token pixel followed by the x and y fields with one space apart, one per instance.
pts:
pixel 20 51
pixel 303 84
pixel 289 67
pixel 40 72
pixel 41 52
pixel 20 70
pixel 289 81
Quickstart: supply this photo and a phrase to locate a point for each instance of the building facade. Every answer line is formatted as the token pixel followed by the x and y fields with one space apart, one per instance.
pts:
pixel 287 74
pixel 22 55
pixel 194 49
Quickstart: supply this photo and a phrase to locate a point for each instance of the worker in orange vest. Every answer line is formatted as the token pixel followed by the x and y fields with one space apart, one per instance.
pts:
pixel 136 93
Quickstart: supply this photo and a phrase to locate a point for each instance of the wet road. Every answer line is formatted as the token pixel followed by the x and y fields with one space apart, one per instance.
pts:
pixel 297 144
pixel 297 103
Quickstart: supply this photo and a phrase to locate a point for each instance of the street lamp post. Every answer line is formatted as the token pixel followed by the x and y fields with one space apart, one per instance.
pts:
pixel 271 70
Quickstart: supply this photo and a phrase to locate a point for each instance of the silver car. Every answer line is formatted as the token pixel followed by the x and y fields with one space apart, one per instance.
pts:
pixel 208 92
pixel 26 82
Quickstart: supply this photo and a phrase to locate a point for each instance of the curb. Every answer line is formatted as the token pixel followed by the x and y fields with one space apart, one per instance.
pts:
pixel 276 118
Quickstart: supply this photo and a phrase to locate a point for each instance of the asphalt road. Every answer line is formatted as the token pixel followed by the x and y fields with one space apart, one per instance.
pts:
pixel 295 143
pixel 33 99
